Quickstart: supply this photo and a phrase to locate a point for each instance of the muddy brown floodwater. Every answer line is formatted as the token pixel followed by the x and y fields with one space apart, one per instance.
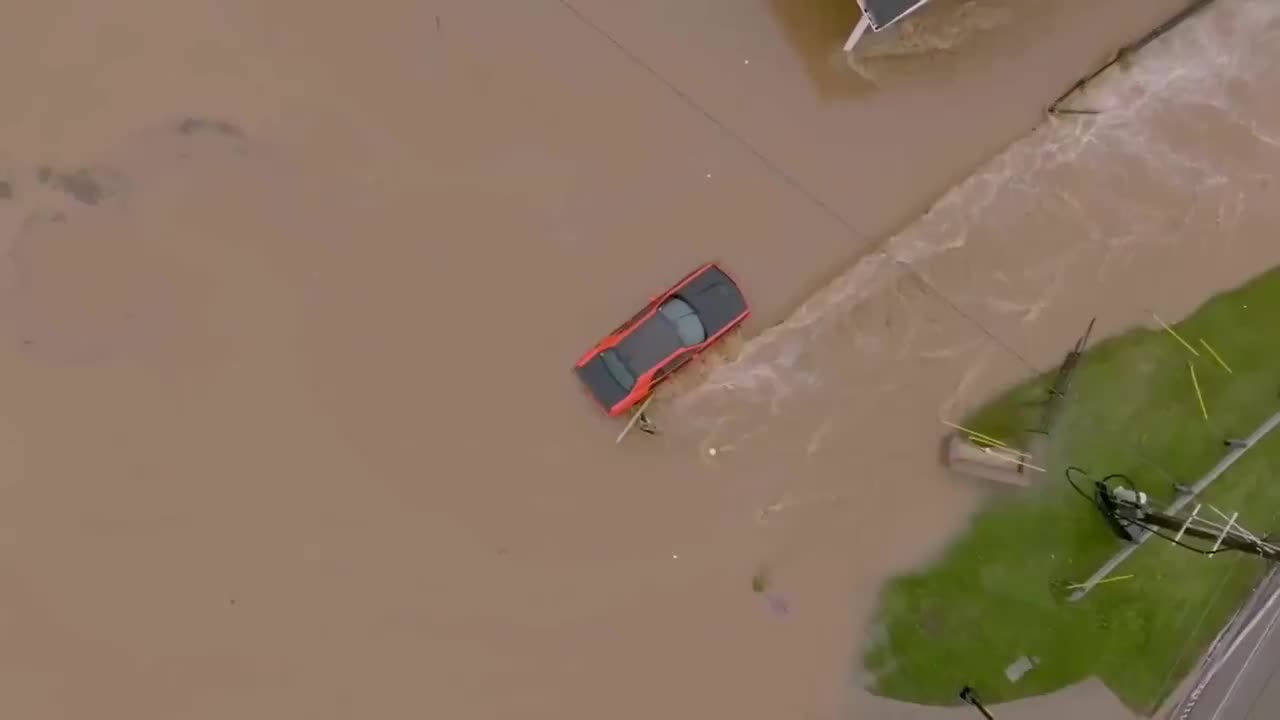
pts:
pixel 290 292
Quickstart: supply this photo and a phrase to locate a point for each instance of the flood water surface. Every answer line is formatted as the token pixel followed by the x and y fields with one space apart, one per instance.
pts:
pixel 1163 197
pixel 290 294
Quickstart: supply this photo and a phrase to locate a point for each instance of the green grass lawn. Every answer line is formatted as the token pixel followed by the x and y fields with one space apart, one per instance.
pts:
pixel 998 594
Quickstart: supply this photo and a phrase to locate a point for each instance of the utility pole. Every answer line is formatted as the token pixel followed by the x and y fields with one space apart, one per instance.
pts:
pixel 1126 509
pixel 1061 384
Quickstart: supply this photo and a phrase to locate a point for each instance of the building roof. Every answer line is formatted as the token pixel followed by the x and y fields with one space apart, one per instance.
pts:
pixel 883 13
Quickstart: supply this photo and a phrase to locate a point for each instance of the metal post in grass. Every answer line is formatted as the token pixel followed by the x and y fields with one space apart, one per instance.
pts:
pixel 970 696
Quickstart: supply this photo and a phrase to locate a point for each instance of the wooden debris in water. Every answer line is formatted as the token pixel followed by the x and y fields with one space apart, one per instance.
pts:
pixel 636 417
pixel 987 463
pixel 976 434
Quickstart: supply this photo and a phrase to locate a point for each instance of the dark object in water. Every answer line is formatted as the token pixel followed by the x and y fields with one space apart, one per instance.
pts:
pixel 760 581
pixel 81 185
pixel 193 125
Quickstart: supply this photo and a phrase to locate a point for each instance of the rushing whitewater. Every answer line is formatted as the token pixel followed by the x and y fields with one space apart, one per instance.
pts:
pixel 1182 135
pixel 1159 193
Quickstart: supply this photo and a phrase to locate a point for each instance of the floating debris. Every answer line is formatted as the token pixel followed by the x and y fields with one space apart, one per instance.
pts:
pixel 222 127
pixel 81 185
pixel 760 581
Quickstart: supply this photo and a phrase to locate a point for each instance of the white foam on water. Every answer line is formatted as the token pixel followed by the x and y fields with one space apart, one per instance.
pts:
pixel 1214 63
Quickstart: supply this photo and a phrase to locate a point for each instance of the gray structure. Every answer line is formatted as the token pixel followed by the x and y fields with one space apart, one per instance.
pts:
pixel 880 14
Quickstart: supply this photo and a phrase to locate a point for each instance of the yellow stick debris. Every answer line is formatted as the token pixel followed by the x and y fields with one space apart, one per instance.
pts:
pixel 1175 335
pixel 1016 460
pixel 986 445
pixel 1216 356
pixel 992 447
pixel 975 433
pixel 635 417
pixel 1199 395
pixel 1077 586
